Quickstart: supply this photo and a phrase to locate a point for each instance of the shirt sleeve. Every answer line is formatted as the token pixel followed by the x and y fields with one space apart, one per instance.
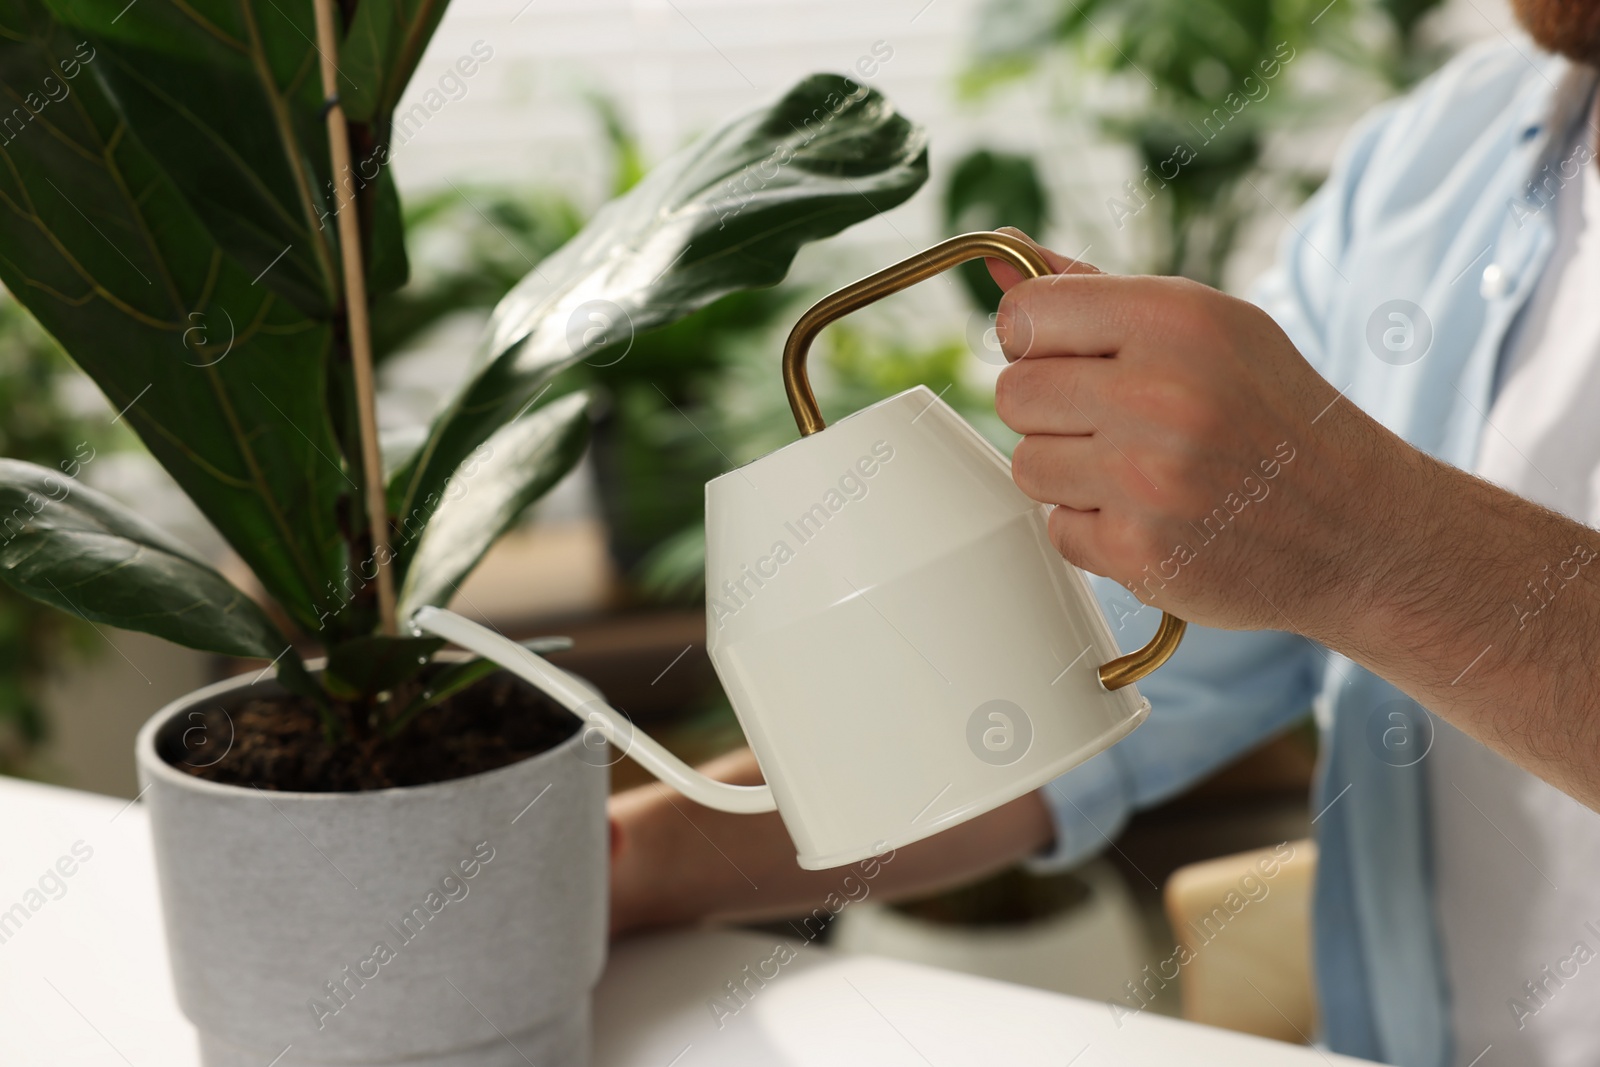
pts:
pixel 1223 691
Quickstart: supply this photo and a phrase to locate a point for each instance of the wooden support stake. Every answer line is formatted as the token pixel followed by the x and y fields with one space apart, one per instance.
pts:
pixel 355 300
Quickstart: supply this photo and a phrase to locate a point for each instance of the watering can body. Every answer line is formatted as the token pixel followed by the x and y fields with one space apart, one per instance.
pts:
pixel 903 645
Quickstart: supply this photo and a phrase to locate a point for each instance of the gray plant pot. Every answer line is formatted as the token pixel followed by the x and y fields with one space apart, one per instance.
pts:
pixel 458 924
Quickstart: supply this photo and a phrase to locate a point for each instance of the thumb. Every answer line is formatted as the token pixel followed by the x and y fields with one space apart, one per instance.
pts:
pixel 1005 275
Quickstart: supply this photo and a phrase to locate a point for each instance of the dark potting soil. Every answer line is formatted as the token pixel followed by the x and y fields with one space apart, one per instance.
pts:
pixel 277 742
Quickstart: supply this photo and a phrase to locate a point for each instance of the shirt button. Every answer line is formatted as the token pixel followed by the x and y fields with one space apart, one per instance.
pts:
pixel 1494 283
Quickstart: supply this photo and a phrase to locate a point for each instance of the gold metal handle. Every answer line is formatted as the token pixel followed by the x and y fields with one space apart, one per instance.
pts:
pixel 857 295
pixel 1124 670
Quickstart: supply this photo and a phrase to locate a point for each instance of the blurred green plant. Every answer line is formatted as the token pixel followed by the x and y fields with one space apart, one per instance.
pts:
pixel 1404 54
pixel 666 425
pixel 864 366
pixel 988 189
pixel 1194 88
pixel 470 244
pixel 37 426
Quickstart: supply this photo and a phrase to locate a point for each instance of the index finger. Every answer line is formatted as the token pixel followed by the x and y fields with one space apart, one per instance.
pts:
pixel 1086 314
pixel 1005 275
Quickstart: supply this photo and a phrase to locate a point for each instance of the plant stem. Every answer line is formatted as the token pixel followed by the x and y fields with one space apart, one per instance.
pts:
pixel 356 313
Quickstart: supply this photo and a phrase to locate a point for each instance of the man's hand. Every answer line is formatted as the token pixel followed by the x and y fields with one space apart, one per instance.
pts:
pixel 1199 460
pixel 1196 458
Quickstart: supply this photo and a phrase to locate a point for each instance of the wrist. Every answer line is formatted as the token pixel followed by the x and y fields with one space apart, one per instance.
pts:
pixel 1395 516
pixel 1411 593
pixel 647 888
pixel 661 874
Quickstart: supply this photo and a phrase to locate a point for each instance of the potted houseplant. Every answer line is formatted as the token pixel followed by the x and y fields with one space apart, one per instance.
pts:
pixel 380 857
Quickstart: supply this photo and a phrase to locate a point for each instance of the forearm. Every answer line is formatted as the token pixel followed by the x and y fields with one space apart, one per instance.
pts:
pixel 677 861
pixel 1485 608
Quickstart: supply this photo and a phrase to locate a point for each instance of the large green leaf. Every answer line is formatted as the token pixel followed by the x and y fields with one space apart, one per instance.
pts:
pixel 77 549
pixel 729 212
pixel 224 94
pixel 510 471
pixel 221 378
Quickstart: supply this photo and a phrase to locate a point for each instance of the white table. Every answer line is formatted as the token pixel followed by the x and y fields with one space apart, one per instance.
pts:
pixel 83 983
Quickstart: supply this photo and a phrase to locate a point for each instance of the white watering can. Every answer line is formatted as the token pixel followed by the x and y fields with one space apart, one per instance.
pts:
pixel 903 645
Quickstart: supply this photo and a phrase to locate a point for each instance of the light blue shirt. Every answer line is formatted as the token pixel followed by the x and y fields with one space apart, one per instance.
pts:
pixel 1442 199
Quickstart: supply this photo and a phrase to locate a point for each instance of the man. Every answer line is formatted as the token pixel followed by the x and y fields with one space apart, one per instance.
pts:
pixel 1435 311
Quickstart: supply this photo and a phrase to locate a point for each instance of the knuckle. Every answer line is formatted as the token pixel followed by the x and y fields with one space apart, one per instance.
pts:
pixel 1027 467
pixel 1010 394
pixel 1133 542
pixel 1063 537
pixel 1183 409
pixel 1172 484
pixel 1015 319
pixel 1143 475
pixel 1182 308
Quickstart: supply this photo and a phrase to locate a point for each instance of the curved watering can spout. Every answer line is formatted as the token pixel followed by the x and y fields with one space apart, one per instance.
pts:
pixel 595 713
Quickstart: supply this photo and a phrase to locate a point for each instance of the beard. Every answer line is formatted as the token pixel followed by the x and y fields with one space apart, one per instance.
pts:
pixel 1568 27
